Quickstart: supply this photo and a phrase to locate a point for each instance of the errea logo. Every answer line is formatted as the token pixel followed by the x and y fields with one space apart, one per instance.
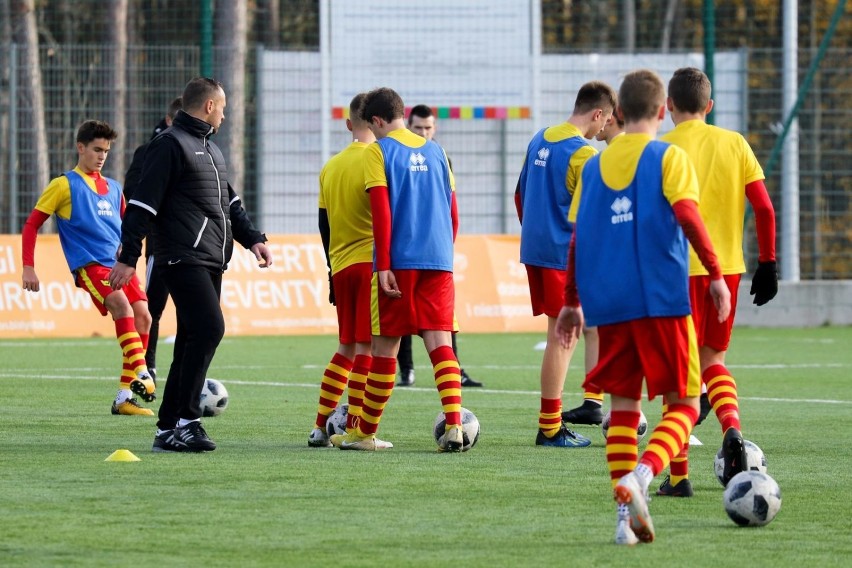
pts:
pixel 543 154
pixel 104 208
pixel 418 162
pixel 621 207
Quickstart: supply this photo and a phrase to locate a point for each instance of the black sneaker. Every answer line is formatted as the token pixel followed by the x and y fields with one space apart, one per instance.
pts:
pixel 165 442
pixel 466 381
pixel 682 489
pixel 705 408
pixel 564 438
pixel 406 378
pixel 194 438
pixel 590 412
pixel 734 452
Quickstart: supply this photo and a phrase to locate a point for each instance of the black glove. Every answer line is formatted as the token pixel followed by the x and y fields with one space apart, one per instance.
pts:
pixel 764 283
pixel 331 299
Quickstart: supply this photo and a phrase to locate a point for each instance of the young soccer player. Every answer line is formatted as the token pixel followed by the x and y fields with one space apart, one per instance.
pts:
pixel 415 220
pixel 88 209
pixel 421 121
pixel 629 267
pixel 346 228
pixel 543 197
pixel 591 412
pixel 728 174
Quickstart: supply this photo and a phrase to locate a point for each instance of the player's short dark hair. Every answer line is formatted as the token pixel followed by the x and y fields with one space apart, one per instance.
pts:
pixel 595 94
pixel 174 107
pixel 355 107
pixel 92 129
pixel 689 89
pixel 641 95
pixel 420 111
pixel 384 103
pixel 200 90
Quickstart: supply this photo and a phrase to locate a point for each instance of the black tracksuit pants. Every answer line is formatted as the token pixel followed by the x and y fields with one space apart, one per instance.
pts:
pixel 195 292
pixel 158 296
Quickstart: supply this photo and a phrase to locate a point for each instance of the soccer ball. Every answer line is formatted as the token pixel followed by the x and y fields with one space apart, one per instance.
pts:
pixel 752 499
pixel 336 423
pixel 640 431
pixel 470 428
pixel 214 398
pixel 755 460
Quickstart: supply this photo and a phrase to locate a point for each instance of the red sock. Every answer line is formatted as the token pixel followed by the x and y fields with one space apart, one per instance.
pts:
pixel 357 384
pixel 621 444
pixel 332 386
pixel 380 381
pixel 722 393
pixel 676 426
pixel 133 354
pixel 445 366
pixel 550 416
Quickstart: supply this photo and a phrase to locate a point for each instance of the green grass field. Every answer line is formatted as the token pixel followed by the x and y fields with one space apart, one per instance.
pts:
pixel 264 498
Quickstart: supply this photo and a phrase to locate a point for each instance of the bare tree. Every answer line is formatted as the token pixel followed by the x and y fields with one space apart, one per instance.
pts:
pixel 232 42
pixel 30 100
pixel 116 13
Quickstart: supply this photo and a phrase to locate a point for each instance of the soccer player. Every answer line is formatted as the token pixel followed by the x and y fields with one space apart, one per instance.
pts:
pixel 346 228
pixel 155 287
pixel 421 121
pixel 591 412
pixel 88 209
pixel 555 156
pixel 629 267
pixel 415 220
pixel 728 174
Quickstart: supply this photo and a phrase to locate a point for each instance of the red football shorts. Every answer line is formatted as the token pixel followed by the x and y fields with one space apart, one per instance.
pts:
pixel 708 330
pixel 352 295
pixel 663 351
pixel 547 290
pixel 427 301
pixel 94 279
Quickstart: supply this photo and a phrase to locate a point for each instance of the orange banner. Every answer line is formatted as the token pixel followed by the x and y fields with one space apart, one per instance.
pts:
pixel 290 297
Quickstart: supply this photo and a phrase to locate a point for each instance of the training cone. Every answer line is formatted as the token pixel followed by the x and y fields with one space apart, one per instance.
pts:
pixel 122 456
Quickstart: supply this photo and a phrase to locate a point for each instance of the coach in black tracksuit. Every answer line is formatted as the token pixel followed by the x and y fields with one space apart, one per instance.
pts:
pixel 155 287
pixel 184 192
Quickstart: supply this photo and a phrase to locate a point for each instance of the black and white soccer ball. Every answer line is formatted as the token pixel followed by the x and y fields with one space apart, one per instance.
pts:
pixel 752 499
pixel 641 430
pixel 214 398
pixel 470 428
pixel 755 460
pixel 336 423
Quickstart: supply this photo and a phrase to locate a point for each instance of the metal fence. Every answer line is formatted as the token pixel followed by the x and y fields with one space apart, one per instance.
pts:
pixel 283 147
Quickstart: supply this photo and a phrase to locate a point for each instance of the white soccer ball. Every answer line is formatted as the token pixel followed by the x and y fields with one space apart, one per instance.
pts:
pixel 336 423
pixel 640 431
pixel 470 428
pixel 214 398
pixel 755 460
pixel 752 499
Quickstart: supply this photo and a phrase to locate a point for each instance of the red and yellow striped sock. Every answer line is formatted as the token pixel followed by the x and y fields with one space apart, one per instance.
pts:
pixel 550 416
pixel 669 437
pixel 144 337
pixel 621 444
pixel 333 384
pixel 133 354
pixel 447 373
pixel 679 469
pixel 377 392
pixel 357 383
pixel 597 396
pixel 722 393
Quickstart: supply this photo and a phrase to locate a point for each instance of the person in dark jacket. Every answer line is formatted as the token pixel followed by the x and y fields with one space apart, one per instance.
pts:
pixel 196 214
pixel 155 287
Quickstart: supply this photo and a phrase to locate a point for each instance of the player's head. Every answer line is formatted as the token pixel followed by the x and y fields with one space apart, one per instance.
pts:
pixel 595 102
pixel 204 98
pixel 94 138
pixel 642 96
pixel 173 109
pixel 421 121
pixel 356 105
pixel 689 90
pixel 613 127
pixel 382 107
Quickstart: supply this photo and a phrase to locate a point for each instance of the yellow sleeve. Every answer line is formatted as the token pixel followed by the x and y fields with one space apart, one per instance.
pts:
pixel 374 167
pixel 575 164
pixel 679 178
pixel 751 167
pixel 321 201
pixel 56 198
pixel 575 201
